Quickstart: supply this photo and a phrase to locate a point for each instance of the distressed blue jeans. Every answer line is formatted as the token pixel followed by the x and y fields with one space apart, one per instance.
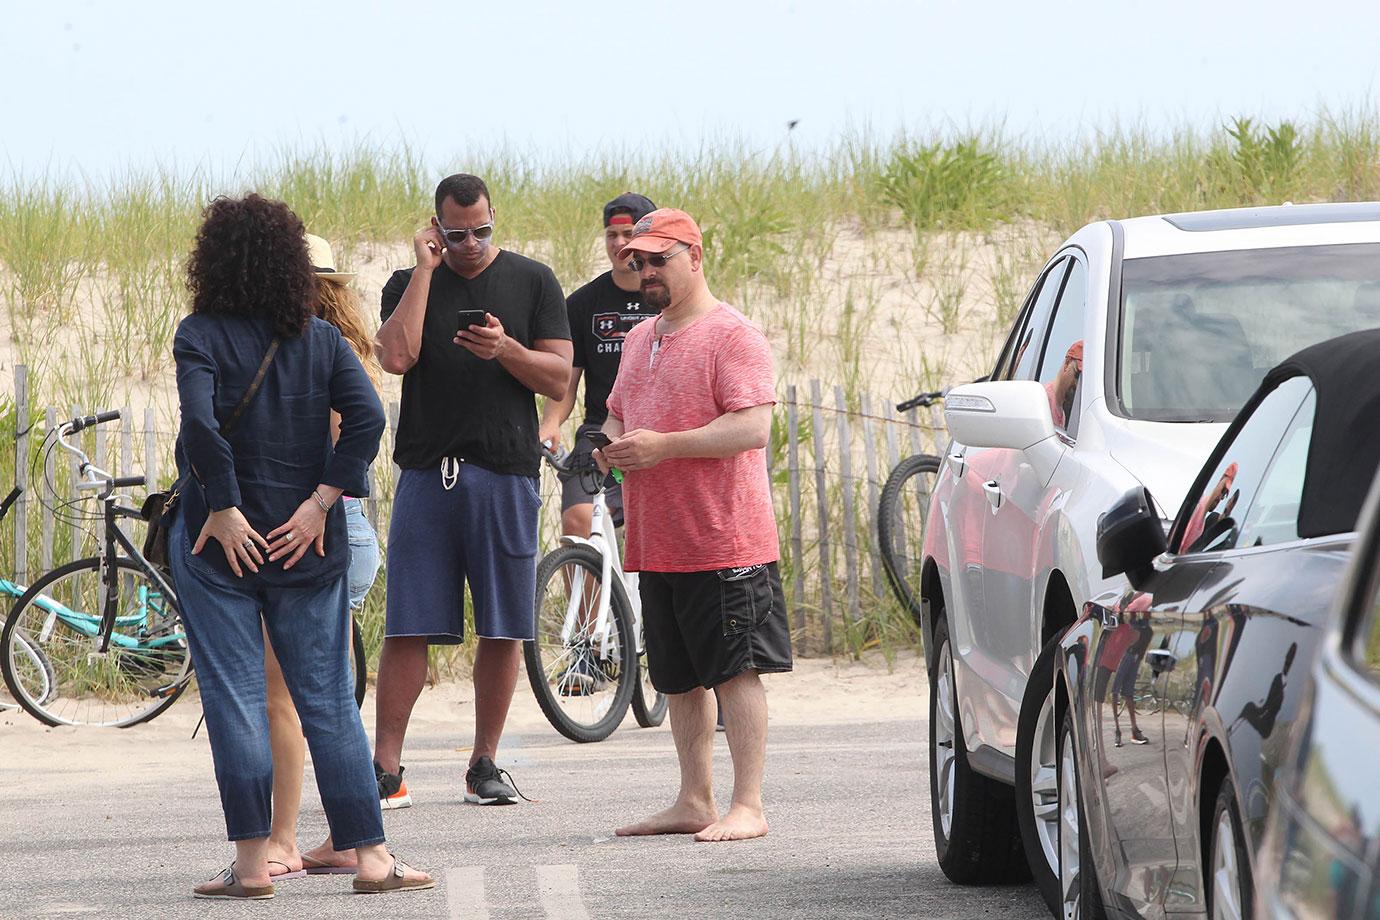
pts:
pixel 307 627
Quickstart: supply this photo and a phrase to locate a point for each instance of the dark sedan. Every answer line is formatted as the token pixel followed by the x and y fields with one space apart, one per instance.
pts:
pixel 1175 695
pixel 1321 855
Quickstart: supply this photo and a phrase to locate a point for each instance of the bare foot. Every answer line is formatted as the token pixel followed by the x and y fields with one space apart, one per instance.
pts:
pixel 741 823
pixel 325 855
pixel 678 819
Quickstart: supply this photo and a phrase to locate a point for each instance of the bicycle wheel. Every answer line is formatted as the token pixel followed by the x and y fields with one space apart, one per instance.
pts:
pixel 901 514
pixel 648 703
pixel 359 663
pixel 143 672
pixel 583 677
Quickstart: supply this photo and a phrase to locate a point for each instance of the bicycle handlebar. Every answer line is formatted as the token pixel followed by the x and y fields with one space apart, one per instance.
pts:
pixel 923 400
pixel 112 482
pixel 9 500
pixel 86 421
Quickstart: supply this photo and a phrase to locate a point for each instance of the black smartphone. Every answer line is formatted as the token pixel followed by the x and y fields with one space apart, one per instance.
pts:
pixel 598 439
pixel 468 318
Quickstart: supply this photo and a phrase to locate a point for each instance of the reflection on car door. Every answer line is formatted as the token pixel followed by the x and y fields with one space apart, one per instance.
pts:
pixel 1018 496
pixel 1137 655
pixel 978 646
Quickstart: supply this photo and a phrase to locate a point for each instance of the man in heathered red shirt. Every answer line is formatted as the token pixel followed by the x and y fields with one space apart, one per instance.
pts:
pixel 689 417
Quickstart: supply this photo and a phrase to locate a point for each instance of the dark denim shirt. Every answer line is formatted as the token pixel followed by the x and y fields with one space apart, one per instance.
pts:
pixel 280 449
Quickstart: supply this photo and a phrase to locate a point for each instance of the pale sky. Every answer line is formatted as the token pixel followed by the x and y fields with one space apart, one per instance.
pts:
pixel 93 88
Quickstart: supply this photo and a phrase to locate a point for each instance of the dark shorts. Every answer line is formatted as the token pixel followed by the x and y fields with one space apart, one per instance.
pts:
pixel 704 628
pixel 482 530
pixel 1125 683
pixel 575 487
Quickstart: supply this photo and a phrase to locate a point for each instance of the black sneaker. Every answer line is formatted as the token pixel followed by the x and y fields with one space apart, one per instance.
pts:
pixel 392 789
pixel 578 679
pixel 484 786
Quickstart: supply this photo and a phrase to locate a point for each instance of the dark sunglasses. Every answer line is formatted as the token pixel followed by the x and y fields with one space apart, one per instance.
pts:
pixel 659 260
pixel 481 233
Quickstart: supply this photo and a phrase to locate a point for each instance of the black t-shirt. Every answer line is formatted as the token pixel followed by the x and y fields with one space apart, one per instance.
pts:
pixel 457 405
pixel 601 314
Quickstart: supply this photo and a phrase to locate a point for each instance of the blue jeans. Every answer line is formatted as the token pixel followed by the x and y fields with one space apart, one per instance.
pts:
pixel 364 552
pixel 307 627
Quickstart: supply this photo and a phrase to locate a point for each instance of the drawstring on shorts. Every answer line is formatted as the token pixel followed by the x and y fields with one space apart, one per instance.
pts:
pixel 450 472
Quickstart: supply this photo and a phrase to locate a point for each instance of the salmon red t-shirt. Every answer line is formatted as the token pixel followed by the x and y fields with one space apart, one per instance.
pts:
pixel 700 514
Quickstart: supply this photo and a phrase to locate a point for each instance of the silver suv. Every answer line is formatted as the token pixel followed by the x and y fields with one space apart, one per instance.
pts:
pixel 1135 347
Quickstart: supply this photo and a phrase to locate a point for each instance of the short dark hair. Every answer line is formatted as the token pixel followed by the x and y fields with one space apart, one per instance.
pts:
pixel 463 189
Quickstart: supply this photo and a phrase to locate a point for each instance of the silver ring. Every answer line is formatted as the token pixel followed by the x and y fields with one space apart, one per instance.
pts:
pixel 288 536
pixel 248 544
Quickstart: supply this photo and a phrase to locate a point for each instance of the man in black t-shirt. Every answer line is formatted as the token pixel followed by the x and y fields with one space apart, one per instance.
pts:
pixel 601 313
pixel 465 507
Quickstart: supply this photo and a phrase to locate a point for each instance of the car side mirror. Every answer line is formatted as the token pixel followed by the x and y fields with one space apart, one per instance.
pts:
pixel 1129 537
pixel 1010 414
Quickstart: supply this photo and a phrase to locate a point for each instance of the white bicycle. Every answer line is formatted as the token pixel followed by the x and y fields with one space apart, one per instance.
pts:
pixel 588 661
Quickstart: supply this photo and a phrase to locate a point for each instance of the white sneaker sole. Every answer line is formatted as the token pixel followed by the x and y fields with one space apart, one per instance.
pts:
pixel 400 801
pixel 473 799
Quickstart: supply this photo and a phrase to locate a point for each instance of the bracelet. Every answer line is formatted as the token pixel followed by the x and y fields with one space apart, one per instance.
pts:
pixel 325 508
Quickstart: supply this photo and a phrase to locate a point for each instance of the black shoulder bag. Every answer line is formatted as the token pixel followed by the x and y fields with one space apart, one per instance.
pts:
pixel 158 507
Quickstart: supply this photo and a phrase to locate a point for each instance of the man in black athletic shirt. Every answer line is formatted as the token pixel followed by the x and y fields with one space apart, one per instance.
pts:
pixel 601 313
pixel 476 332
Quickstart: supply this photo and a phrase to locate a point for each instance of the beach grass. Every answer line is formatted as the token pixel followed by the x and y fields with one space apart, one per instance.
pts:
pixel 950 217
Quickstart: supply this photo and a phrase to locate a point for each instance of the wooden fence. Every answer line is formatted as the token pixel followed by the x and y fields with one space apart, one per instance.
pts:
pixel 830 454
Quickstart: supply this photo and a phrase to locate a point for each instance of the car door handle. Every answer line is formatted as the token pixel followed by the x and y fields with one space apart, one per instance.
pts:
pixel 956 464
pixel 993 490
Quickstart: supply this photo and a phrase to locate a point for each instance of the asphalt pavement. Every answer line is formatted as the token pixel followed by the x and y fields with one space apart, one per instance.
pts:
pixel 848 800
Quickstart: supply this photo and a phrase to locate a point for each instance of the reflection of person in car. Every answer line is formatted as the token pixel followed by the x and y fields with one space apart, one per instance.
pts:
pixel 1261 716
pixel 1064 387
pixel 1199 521
pixel 1124 686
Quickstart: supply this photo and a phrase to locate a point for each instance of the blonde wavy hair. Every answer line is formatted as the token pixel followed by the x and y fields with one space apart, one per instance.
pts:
pixel 339 305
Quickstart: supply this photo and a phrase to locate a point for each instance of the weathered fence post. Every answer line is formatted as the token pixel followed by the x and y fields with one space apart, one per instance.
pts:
pixel 49 469
pixel 913 419
pixel 826 588
pixel 74 551
pixel 21 473
pixel 150 450
pixel 850 521
pixel 793 484
pixel 870 447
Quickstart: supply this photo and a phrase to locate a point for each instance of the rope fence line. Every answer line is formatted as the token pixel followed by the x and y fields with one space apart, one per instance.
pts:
pixel 826 481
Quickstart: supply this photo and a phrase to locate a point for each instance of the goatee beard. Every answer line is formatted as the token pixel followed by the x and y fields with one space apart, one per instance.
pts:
pixel 658 298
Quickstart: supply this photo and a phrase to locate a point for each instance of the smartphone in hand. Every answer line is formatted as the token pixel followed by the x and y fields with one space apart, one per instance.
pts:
pixel 598 439
pixel 468 318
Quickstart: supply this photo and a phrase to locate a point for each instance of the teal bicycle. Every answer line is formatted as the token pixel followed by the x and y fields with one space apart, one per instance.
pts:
pixel 98 641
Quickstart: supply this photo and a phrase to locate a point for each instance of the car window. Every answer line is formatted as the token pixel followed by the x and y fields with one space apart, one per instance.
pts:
pixel 1061 367
pixel 1198 331
pixel 1025 347
pixel 1215 513
pixel 1274 515
pixel 1365 646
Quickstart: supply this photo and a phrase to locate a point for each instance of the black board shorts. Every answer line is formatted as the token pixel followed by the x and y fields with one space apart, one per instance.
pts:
pixel 704 628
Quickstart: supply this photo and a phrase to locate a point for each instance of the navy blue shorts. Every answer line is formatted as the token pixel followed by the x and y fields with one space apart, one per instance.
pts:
pixel 482 530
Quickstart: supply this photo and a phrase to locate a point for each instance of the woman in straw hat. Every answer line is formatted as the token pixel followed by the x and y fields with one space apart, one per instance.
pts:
pixel 338 304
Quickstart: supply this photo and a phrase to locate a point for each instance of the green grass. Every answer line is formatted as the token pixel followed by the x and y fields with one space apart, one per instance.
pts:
pixel 773 218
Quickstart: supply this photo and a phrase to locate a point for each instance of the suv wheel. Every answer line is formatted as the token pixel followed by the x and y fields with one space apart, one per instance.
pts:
pixel 975 832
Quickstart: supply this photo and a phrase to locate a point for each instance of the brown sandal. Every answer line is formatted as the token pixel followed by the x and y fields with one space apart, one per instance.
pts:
pixel 396 880
pixel 232 889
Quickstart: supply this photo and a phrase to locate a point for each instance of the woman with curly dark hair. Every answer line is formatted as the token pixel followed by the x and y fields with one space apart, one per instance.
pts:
pixel 258 539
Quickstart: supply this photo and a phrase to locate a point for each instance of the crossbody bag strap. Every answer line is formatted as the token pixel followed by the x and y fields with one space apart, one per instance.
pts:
pixel 225 429
pixel 253 386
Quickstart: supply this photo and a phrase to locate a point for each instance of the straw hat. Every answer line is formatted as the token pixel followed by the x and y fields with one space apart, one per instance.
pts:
pixel 323 260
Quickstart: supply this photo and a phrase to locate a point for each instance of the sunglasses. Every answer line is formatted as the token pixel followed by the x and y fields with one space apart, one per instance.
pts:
pixel 481 233
pixel 659 260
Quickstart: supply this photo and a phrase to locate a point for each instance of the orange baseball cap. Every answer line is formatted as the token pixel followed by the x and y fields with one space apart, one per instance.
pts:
pixel 660 230
pixel 1076 353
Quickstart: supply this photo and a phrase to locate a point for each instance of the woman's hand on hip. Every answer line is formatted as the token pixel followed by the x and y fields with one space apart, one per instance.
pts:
pixel 306 527
pixel 240 542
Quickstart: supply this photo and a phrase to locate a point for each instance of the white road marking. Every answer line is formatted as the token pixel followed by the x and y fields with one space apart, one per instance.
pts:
pixel 559 890
pixel 465 894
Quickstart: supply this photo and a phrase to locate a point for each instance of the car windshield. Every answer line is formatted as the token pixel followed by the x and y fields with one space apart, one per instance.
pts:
pixel 1199 331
